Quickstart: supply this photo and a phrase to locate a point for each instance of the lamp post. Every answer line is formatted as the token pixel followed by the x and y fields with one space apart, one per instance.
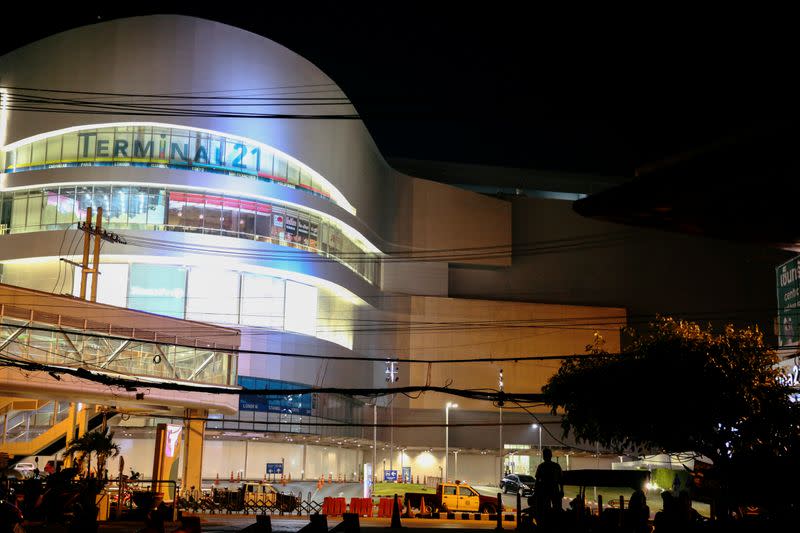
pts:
pixel 447 437
pixel 500 386
pixel 537 426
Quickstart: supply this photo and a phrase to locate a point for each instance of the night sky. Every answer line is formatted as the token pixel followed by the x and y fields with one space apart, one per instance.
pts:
pixel 598 95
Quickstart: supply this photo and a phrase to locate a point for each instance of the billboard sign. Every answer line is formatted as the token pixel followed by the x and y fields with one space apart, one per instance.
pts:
pixel 274 468
pixel 407 474
pixel 788 287
pixel 390 475
pixel 367 480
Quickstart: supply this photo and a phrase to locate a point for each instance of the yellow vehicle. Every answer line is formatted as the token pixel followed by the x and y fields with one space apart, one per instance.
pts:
pixel 453 497
pixel 259 494
pixel 255 494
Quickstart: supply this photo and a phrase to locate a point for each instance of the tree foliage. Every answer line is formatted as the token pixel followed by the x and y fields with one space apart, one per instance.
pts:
pixel 680 387
pixel 98 443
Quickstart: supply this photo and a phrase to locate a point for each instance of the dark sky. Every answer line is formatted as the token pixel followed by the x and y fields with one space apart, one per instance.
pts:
pixel 514 87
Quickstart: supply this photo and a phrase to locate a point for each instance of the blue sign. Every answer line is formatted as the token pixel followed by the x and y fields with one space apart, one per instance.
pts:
pixel 296 404
pixel 390 475
pixel 407 474
pixel 274 468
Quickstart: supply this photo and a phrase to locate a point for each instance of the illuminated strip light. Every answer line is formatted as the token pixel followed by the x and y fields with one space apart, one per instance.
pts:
pixel 335 194
pixel 203 261
pixel 348 230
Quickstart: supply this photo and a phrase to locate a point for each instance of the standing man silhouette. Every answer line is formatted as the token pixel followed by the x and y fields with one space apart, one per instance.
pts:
pixel 549 488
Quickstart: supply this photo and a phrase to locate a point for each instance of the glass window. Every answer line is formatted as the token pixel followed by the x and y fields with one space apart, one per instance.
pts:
pixel 264 220
pixel 281 168
pixel 6 201
pixel 267 160
pixel 19 210
pixel 262 301
pixel 66 205
pixel 23 156
pixel 104 144
pixel 34 209
pixel 466 491
pixel 213 296
pixel 449 490
pixel 293 175
pixel 213 213
pixel 179 148
pixel 118 211
pixel 143 148
pixel 216 151
pixel 247 217
pixel 38 154
pixel 156 206
pixel 83 199
pixel 137 205
pixel 49 207
pixel 69 147
pixel 230 214
pixel 101 198
pixel 300 313
pixel 194 210
pixel 122 149
pixel 177 202
pixel 54 150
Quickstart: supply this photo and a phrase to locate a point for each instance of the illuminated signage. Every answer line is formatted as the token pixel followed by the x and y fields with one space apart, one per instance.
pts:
pixel 171 440
pixel 157 289
pixel 157 145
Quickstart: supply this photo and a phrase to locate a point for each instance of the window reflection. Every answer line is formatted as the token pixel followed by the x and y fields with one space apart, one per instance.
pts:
pixel 152 208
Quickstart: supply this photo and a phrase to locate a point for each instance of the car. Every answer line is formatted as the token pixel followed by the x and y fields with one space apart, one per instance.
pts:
pixel 26 469
pixel 518 483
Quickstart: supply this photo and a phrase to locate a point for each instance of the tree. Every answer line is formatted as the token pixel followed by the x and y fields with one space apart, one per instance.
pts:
pixel 680 387
pixel 99 443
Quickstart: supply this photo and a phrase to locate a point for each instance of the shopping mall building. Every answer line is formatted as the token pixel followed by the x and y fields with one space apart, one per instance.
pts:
pixel 276 236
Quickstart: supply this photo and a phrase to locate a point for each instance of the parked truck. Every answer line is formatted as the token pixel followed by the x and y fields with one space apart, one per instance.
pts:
pixel 452 497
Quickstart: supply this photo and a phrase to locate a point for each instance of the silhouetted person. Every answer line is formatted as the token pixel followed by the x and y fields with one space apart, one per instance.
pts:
pixel 549 488
pixel 637 514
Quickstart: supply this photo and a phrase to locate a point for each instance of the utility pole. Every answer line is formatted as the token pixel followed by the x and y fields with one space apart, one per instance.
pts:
pixel 501 385
pixel 90 231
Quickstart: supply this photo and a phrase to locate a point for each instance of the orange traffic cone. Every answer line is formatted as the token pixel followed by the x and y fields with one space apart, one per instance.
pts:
pixel 330 478
pixel 216 481
pixel 290 477
pixel 231 476
pixel 422 506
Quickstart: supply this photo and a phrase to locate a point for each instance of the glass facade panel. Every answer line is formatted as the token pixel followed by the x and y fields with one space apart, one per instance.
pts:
pixel 137 206
pixel 230 215
pixel 69 147
pixel 118 211
pixel 142 145
pixel 38 154
pixel 150 208
pixel 300 312
pixel 262 301
pixel 213 296
pixel 19 211
pixel 66 205
pixel 49 208
pixel 53 151
pixel 156 206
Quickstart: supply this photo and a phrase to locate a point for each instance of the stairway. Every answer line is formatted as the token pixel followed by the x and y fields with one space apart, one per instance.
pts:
pixel 50 441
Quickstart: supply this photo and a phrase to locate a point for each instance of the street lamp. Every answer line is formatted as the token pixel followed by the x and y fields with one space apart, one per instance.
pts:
pixel 537 426
pixel 447 436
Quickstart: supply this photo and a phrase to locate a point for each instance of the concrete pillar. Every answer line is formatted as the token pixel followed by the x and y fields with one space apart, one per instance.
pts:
pixel 194 433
